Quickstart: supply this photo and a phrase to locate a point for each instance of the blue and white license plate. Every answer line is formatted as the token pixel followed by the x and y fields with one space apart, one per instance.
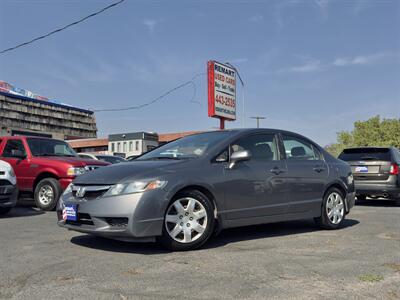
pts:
pixel 362 169
pixel 70 212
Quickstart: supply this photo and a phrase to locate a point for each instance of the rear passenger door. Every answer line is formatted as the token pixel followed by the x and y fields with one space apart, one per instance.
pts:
pixel 307 174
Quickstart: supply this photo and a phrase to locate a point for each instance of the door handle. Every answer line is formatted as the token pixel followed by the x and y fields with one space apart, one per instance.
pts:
pixel 277 170
pixel 319 169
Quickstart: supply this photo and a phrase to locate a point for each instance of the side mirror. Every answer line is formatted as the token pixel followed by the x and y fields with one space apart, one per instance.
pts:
pixel 18 154
pixel 239 156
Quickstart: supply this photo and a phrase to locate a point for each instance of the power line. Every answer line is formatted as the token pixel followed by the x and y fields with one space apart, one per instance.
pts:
pixel 62 28
pixel 189 82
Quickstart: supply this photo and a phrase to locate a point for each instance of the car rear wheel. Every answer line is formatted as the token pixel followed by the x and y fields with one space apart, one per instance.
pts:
pixel 188 222
pixel 47 193
pixel 333 210
pixel 4 210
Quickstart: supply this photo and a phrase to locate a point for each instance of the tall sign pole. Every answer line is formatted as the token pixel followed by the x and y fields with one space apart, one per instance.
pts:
pixel 221 92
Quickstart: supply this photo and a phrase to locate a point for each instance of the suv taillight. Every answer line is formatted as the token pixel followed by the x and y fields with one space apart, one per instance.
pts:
pixel 394 169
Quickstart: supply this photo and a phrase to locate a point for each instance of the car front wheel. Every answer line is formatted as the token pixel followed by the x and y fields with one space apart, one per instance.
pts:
pixel 47 193
pixel 333 210
pixel 188 222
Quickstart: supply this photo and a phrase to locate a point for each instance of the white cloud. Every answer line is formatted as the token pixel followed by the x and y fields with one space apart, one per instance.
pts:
pixel 151 24
pixel 256 18
pixel 310 66
pixel 361 59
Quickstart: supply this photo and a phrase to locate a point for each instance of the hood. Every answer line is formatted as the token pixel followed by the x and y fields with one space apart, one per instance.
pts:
pixel 74 161
pixel 135 170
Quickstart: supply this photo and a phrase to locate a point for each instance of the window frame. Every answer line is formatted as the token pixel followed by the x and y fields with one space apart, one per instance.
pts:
pixel 317 152
pixel 275 139
pixel 14 140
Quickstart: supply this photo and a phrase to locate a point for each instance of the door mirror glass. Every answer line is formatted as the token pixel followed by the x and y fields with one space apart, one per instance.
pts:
pixel 239 156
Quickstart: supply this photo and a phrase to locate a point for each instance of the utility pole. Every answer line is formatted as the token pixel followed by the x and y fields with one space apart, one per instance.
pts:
pixel 258 118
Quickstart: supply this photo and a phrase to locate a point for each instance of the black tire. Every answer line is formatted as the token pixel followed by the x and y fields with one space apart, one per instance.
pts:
pixel 324 221
pixel 4 210
pixel 55 187
pixel 362 197
pixel 167 241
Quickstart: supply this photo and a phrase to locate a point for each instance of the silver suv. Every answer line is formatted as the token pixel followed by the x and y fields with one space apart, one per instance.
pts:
pixel 376 171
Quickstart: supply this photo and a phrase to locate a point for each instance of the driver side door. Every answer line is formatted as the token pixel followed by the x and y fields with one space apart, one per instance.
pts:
pixel 257 188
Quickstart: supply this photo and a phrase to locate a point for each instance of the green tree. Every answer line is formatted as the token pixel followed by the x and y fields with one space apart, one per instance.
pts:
pixel 372 132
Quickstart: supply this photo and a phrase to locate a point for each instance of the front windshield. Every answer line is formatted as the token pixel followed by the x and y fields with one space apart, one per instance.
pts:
pixel 111 159
pixel 48 147
pixel 192 146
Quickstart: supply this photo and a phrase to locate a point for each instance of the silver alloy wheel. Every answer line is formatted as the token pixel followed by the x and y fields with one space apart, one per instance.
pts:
pixel 186 220
pixel 335 208
pixel 46 195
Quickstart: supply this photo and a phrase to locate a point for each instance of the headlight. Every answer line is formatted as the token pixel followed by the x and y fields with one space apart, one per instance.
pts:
pixel 68 189
pixel 75 171
pixel 135 187
pixel 11 172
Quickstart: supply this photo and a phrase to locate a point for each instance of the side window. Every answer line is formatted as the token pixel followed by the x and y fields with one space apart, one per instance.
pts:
pixel 14 148
pixel 299 149
pixel 223 156
pixel 261 146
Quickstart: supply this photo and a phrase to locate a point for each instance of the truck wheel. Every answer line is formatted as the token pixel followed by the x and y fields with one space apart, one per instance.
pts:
pixel 333 210
pixel 47 193
pixel 4 210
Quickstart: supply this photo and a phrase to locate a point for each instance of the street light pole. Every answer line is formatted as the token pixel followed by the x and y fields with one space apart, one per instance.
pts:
pixel 258 118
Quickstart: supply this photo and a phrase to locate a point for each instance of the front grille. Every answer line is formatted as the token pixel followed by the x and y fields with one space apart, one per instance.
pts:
pixel 117 222
pixel 4 182
pixel 83 219
pixel 89 192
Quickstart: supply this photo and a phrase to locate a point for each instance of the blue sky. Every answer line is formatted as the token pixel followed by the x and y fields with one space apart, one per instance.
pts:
pixel 313 67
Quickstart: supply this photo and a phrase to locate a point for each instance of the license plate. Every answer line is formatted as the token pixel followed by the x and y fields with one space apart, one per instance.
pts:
pixel 70 212
pixel 362 169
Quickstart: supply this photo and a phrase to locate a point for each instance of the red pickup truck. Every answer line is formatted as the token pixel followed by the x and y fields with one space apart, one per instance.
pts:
pixel 44 167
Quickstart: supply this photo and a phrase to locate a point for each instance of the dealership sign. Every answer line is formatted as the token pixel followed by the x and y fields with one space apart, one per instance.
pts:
pixel 221 91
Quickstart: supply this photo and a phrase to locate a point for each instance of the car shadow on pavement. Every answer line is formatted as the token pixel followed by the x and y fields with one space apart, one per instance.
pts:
pixel 17 212
pixel 268 231
pixel 104 244
pixel 225 237
pixel 376 202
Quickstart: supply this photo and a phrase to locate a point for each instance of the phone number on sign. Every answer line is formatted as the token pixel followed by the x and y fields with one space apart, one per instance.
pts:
pixel 225 100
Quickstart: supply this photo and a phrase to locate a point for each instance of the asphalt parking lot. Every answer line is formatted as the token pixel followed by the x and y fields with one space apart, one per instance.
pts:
pixel 288 260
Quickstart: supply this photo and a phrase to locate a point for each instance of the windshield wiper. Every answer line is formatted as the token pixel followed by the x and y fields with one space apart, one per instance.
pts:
pixel 163 157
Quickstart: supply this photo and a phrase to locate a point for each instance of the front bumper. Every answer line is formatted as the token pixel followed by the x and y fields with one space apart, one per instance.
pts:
pixel 8 195
pixel 350 200
pixel 133 217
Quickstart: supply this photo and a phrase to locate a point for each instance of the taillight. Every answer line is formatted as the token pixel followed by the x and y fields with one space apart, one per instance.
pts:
pixel 394 169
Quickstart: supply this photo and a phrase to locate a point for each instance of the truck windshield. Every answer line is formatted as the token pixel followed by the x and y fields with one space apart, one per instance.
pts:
pixel 49 147
pixel 192 146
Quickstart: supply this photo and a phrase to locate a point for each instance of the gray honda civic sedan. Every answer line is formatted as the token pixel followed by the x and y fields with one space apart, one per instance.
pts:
pixel 183 192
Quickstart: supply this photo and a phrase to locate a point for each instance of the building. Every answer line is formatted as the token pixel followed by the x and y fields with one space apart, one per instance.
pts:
pixel 132 144
pixel 146 141
pixel 21 115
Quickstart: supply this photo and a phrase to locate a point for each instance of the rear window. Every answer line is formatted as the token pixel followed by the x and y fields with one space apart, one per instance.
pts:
pixel 366 154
